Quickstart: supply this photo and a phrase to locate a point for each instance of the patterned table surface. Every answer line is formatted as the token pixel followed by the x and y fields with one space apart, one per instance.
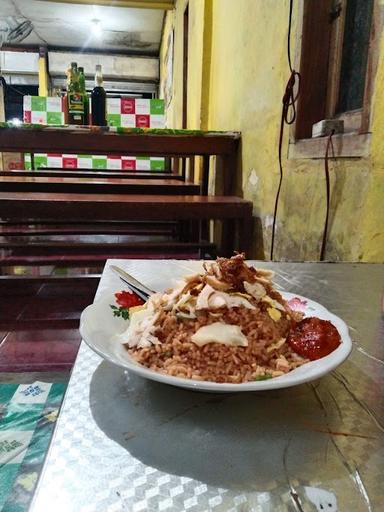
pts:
pixel 28 413
pixel 126 444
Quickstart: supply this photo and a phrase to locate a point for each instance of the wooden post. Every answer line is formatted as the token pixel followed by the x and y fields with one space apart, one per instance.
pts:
pixel 176 166
pixel 192 169
pixel 43 72
pixel 205 176
pixel 226 170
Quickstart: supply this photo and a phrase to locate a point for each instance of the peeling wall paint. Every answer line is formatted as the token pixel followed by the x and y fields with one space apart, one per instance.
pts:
pixel 246 60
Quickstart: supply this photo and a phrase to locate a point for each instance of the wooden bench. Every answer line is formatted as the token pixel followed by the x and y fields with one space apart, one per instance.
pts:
pixel 55 214
pixel 93 185
pixel 39 207
pixel 82 173
pixel 70 254
pixel 97 261
pixel 180 148
pixel 27 206
pixel 51 228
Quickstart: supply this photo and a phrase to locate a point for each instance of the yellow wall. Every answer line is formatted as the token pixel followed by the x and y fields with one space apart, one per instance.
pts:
pixel 237 61
pixel 174 20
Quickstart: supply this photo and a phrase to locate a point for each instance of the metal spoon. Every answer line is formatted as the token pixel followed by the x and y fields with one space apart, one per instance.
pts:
pixel 140 289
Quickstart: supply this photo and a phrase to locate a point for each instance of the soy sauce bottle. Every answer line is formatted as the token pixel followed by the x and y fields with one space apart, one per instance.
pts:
pixel 99 100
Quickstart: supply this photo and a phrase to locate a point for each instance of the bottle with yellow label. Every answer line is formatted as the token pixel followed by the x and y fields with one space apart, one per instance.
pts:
pixel 75 98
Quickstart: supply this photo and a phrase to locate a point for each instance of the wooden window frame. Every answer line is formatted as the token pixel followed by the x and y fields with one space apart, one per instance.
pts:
pixel 355 140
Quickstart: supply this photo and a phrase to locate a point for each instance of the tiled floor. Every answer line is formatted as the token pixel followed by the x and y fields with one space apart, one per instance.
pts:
pixel 39 323
pixel 39 350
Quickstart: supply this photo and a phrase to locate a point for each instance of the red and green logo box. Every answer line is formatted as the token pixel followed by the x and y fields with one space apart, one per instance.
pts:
pixel 96 162
pixel 121 112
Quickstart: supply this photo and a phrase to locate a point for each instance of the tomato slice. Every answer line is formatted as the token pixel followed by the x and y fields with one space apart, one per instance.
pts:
pixel 128 299
pixel 314 338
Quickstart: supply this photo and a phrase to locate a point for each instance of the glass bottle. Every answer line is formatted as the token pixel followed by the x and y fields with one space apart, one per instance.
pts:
pixel 75 100
pixel 99 100
pixel 83 91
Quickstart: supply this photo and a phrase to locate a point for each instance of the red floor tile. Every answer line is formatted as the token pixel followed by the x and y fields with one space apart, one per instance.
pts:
pixel 11 307
pixel 64 289
pixel 55 308
pixel 19 288
pixel 39 350
pixel 39 323
pixel 2 337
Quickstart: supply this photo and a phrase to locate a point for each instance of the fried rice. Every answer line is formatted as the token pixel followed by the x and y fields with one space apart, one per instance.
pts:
pixel 228 324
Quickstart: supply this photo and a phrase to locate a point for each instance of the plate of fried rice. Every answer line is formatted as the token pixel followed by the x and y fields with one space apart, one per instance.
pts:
pixel 225 329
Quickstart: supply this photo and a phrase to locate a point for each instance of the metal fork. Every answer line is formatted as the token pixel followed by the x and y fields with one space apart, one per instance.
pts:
pixel 140 289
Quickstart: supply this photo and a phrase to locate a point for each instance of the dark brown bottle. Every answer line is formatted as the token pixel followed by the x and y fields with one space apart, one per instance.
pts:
pixel 99 100
pixel 83 91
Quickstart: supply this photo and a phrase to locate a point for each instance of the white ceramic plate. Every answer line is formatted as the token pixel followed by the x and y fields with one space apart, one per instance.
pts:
pixel 99 329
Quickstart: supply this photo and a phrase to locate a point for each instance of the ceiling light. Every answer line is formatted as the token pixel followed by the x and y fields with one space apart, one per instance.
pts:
pixel 97 29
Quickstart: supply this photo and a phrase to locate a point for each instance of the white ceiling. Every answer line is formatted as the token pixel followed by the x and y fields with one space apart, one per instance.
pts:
pixel 70 25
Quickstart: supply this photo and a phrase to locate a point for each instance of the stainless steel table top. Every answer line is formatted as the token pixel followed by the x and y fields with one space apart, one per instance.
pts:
pixel 126 444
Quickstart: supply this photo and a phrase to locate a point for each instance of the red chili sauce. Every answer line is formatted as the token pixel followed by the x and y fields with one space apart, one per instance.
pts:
pixel 314 338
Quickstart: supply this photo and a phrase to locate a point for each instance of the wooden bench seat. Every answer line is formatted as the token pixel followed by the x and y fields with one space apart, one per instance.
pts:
pixel 29 285
pixel 46 248
pixel 194 251
pixel 152 229
pixel 94 185
pixel 83 173
pixel 40 207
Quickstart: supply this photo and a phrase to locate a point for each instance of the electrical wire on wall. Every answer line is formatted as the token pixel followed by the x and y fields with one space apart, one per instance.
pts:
pixel 328 194
pixel 288 116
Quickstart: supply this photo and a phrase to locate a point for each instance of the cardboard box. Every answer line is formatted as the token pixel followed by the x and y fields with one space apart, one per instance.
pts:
pixel 100 162
pixel 121 112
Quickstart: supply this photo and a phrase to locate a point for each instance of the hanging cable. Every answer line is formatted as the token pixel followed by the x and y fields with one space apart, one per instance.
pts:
pixel 328 194
pixel 288 116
